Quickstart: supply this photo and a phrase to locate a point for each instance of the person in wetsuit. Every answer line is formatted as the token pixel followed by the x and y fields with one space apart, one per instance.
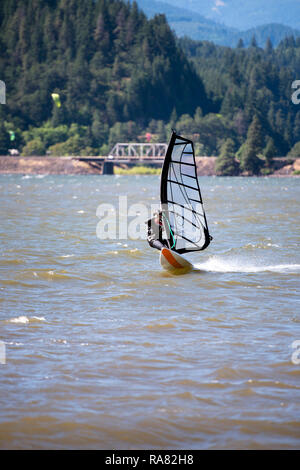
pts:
pixel 155 228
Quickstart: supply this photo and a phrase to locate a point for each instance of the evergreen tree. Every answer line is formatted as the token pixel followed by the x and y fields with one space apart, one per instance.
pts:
pixel 253 42
pixel 240 44
pixel 109 63
pixel 270 152
pixel 295 151
pixel 269 46
pixel 91 52
pixel 226 164
pixel 250 162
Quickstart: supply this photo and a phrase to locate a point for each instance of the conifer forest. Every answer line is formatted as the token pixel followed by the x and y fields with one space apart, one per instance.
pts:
pixel 82 76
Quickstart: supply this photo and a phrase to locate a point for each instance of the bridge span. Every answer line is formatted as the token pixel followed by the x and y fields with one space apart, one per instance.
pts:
pixel 138 150
pixel 130 154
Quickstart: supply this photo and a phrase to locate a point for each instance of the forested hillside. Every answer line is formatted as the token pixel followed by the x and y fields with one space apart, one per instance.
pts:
pixel 254 81
pixel 104 59
pixel 81 76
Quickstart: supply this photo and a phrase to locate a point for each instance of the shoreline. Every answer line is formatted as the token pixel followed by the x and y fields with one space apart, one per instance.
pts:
pixel 43 165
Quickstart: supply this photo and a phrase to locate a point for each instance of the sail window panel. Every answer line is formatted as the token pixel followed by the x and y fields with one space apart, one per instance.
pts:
pixel 187 158
pixel 187 245
pixel 189 148
pixel 195 219
pixel 188 170
pixel 178 231
pixel 171 210
pixel 180 196
pixel 183 174
pixel 179 140
pixel 192 237
pixel 175 194
pixel 175 173
pixel 189 181
pixel 184 215
pixel 178 219
pixel 200 221
pixel 180 244
pixel 197 207
pixel 191 247
pixel 192 233
pixel 192 194
pixel 179 168
pixel 176 153
pixel 179 223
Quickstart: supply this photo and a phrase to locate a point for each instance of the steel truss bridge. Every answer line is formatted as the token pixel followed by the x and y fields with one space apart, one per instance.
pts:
pixel 138 151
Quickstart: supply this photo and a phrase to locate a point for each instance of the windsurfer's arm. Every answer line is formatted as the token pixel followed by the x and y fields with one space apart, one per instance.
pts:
pixel 150 233
pixel 149 227
pixel 154 232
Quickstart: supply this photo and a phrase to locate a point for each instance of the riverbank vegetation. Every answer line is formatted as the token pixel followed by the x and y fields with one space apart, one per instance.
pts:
pixel 137 170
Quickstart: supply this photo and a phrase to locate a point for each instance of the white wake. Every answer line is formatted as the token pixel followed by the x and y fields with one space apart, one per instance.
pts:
pixel 219 265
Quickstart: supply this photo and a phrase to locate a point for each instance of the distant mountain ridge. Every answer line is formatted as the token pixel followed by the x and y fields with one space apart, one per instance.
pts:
pixel 245 14
pixel 186 22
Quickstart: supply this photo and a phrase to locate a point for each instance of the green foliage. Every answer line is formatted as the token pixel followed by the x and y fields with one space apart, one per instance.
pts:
pixel 226 164
pixel 120 76
pixel 47 134
pixel 137 170
pixel 34 147
pixel 104 60
pixel 270 152
pixel 247 82
pixel 250 162
pixel 72 146
pixel 123 132
pixel 295 151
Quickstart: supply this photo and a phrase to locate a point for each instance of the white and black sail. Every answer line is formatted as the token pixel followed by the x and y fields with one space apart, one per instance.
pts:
pixel 181 202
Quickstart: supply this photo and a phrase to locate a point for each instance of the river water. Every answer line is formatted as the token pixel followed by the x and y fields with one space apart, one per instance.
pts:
pixel 101 349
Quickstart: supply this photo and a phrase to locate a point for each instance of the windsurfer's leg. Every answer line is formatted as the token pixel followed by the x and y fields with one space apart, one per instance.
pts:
pixel 156 244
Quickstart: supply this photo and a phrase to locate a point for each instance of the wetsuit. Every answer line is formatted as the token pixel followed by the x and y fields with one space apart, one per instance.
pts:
pixel 154 237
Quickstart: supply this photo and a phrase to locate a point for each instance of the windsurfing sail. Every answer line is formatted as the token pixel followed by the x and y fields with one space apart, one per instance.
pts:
pixel 181 202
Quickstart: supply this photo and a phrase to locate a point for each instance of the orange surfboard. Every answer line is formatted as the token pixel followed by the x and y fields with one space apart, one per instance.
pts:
pixel 173 262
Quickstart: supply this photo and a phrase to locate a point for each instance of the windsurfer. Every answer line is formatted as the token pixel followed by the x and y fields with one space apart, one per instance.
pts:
pixel 155 228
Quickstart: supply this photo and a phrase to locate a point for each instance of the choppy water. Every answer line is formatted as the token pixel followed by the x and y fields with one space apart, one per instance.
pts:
pixel 104 350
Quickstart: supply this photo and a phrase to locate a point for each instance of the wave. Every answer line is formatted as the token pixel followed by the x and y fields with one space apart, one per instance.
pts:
pixel 24 319
pixel 215 264
pixel 48 275
pixel 127 252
